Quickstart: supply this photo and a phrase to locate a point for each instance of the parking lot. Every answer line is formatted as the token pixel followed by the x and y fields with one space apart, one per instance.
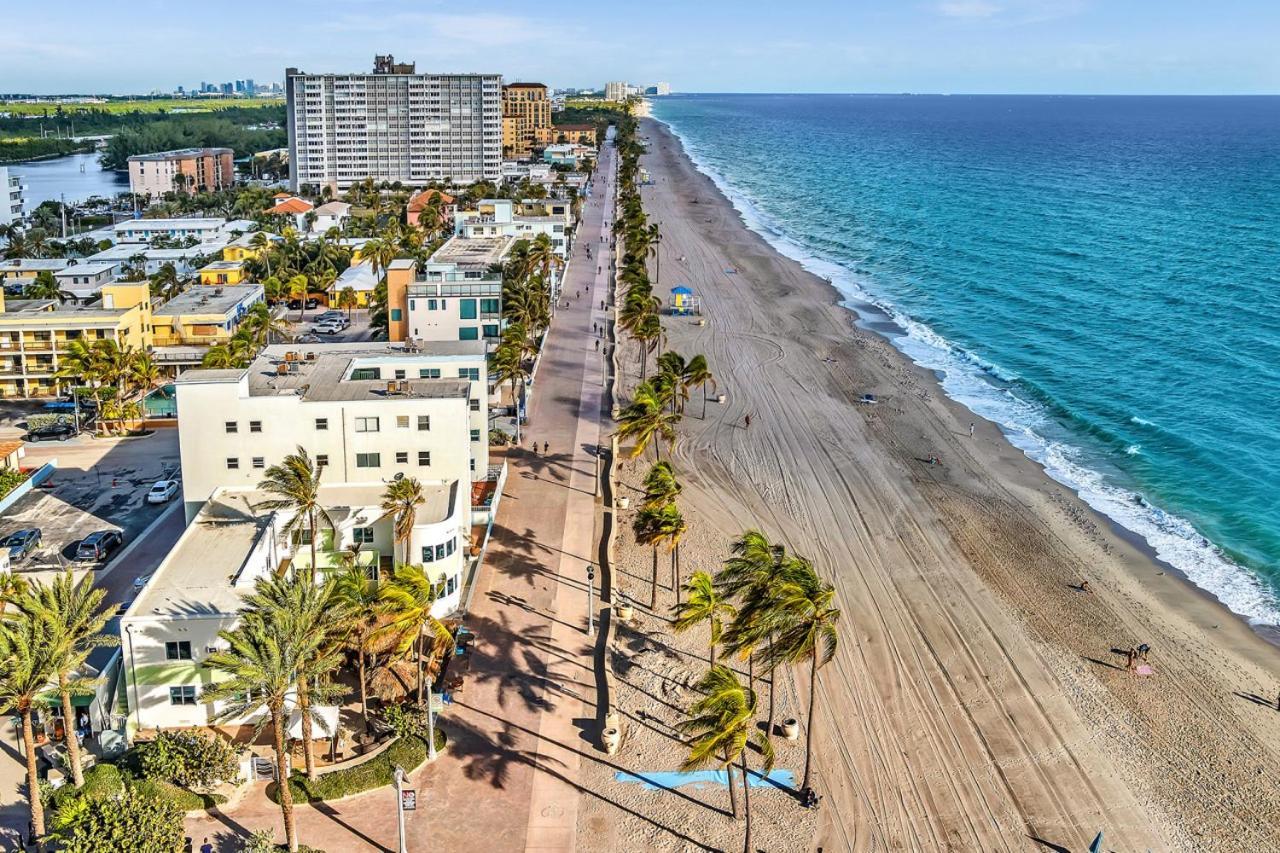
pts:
pixel 358 330
pixel 100 484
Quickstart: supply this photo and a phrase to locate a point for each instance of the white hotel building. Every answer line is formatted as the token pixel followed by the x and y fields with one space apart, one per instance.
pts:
pixel 393 125
pixel 369 413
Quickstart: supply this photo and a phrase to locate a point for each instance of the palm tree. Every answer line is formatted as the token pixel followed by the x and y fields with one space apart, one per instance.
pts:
pixel 379 253
pixel 703 604
pixel 647 419
pixel 657 526
pixel 312 619
pixel 806 623
pixel 509 366
pixel 409 597
pixel 660 486
pixel 753 574
pixel 673 368
pixel 26 667
pixel 146 372
pixel 262 328
pixel 721 723
pixel 361 596
pixel 696 372
pixel 347 299
pixel 75 620
pixel 648 332
pixel 296 484
pixel 259 667
pixel 298 289
pixel 165 282
pixel 400 501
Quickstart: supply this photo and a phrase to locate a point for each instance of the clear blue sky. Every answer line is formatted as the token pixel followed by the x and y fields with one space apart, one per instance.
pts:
pixel 1076 46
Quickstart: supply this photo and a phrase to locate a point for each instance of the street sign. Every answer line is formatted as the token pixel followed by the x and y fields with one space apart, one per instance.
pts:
pixel 409 799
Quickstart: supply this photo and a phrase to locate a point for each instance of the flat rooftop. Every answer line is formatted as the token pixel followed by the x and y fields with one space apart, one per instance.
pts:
pixel 162 224
pixel 473 252
pixel 222 265
pixel 179 153
pixel 37 309
pixel 32 264
pixel 198 576
pixel 88 269
pixel 317 373
pixel 209 300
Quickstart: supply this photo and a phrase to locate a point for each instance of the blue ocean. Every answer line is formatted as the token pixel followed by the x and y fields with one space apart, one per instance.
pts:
pixel 1098 275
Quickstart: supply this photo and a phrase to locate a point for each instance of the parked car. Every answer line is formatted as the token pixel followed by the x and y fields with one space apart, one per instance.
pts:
pixel 328 328
pixel 99 545
pixel 308 338
pixel 140 582
pixel 59 431
pixel 295 304
pixel 332 315
pixel 162 491
pixel 124 605
pixel 21 543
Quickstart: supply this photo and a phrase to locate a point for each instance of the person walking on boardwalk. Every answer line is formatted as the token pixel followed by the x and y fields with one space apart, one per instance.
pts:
pixel 597 345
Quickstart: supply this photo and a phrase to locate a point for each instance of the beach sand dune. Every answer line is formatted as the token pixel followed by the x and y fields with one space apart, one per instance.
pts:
pixel 976 702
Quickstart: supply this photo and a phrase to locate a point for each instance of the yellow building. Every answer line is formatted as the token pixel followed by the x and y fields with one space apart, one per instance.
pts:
pixel 575 134
pixel 526 119
pixel 242 249
pixel 35 334
pixel 204 315
pixel 222 272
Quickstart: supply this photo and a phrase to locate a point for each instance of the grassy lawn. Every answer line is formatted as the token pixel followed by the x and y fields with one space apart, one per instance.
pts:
pixel 145 105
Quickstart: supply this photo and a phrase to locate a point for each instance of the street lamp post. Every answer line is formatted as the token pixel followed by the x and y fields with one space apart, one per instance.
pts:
pixel 591 616
pixel 398 775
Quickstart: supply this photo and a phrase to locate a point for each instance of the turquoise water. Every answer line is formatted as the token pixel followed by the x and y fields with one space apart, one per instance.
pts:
pixel 1099 276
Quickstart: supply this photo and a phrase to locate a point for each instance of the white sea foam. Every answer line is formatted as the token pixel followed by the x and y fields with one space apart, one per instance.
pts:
pixel 985 389
pixel 1133 450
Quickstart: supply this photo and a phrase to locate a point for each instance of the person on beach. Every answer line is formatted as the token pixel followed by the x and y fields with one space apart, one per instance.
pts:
pixel 1084 586
pixel 747 420
pixel 546 448
pixel 535 448
pixel 971 426
pixel 1144 650
pixel 1130 657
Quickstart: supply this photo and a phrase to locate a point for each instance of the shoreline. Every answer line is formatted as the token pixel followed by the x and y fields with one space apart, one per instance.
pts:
pixel 1150 528
pixel 977 557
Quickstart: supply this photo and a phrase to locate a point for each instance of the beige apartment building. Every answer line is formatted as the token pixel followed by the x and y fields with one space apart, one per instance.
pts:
pixel 526 119
pixel 189 170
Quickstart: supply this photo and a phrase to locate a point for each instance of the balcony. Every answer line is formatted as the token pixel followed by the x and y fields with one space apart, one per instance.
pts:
pixel 331 561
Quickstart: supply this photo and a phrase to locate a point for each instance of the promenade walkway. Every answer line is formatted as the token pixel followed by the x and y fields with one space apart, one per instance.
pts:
pixel 526 718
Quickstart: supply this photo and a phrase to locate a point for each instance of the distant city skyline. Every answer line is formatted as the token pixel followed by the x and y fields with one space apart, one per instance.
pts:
pixel 978 46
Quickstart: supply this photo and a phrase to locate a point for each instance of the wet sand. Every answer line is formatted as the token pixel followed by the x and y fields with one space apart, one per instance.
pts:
pixel 979 699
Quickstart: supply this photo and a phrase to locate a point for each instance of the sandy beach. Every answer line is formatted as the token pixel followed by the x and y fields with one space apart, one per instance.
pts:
pixel 979 699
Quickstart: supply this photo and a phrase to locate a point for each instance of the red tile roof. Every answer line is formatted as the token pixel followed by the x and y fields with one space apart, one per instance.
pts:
pixel 291 205
pixel 420 199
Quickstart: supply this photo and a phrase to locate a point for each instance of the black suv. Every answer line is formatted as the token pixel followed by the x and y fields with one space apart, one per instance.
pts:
pixel 99 545
pixel 310 303
pixel 59 431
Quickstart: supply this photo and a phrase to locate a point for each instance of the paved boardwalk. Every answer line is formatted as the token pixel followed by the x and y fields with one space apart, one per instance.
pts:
pixel 507 781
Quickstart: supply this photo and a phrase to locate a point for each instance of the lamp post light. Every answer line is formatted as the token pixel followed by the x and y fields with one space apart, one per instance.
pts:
pixel 398 775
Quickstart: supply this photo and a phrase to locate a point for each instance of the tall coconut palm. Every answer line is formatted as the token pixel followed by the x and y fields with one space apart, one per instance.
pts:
pixel 721 724
pixel 379 253
pixel 703 603
pixel 697 373
pixel 806 631
pixel 146 373
pixel 312 619
pixel 753 573
pixel 258 669
pixel 295 482
pixel 75 617
pixel 400 501
pixel 262 328
pixel 409 597
pixel 660 486
pixel 361 596
pixel 648 332
pixel 347 299
pixel 646 421
pixel 26 667
pixel 298 288
pixel 659 526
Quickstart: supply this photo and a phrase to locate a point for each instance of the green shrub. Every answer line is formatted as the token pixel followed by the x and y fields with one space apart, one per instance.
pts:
pixel 181 798
pixel 189 759
pixel 407 718
pixel 264 841
pixel 408 752
pixel 131 820
pixel 67 805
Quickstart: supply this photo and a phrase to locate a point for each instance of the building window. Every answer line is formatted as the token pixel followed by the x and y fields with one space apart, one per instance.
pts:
pixel 490 330
pixel 490 306
pixel 467 309
pixel 368 460
pixel 472 373
pixel 259 462
pixel 474 403
pixel 395 314
pixel 362 535
pixel 322 459
pixel 429 373
pixel 475 435
pixel 424 457
pixel 232 426
pixel 399 374
pixel 431 305
pixel 366 424
pixel 180 650
pixel 402 421
pixel 255 426
pixel 468 333
pixel 322 423
pixel 424 423
pixel 182 695
pixel 402 457
pixel 451 586
pixel 232 463
pixel 362 373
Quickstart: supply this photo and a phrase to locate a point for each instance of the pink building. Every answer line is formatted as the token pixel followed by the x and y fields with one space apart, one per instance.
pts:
pixel 189 170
